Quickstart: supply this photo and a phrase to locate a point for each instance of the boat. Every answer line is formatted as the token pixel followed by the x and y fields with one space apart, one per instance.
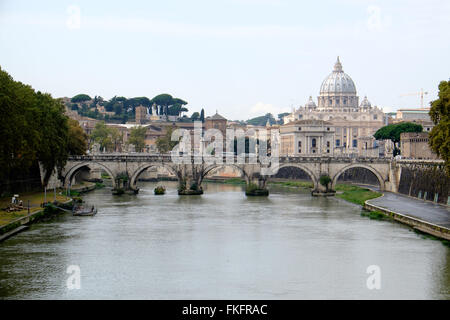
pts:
pixel 84 211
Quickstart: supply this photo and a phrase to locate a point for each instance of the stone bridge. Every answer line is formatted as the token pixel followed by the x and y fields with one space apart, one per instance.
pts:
pixel 124 169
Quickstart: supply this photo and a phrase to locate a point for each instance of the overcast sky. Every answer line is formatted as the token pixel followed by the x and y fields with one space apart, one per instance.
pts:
pixel 241 57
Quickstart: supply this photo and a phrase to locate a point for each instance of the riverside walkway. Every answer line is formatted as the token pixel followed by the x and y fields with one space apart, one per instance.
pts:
pixel 428 212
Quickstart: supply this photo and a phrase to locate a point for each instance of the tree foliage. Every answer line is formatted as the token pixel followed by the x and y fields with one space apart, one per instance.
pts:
pixel 81 98
pixel 440 115
pixel 262 120
pixel 137 138
pixel 165 143
pixel 392 132
pixel 101 135
pixel 77 138
pixel 34 128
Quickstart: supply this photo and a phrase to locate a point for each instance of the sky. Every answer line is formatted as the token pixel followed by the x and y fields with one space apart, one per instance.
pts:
pixel 243 58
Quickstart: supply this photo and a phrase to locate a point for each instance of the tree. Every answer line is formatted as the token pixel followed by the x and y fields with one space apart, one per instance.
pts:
pixel 325 181
pixel 202 115
pixel 440 115
pixel 262 120
pixel 168 105
pixel 81 98
pixel 116 138
pixel 137 138
pixel 101 135
pixel 77 138
pixel 165 143
pixel 195 116
pixel 392 132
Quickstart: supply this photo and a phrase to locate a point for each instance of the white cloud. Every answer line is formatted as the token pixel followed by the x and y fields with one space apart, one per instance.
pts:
pixel 260 109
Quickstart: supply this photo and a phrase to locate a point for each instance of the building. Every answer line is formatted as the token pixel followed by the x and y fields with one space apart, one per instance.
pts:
pixel 415 145
pixel 338 104
pixel 416 115
pixel 141 115
pixel 307 138
pixel 216 121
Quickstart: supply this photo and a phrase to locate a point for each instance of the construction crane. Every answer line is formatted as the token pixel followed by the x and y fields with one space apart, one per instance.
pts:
pixel 421 93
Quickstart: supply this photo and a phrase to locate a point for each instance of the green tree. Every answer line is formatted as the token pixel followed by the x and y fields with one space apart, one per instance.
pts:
pixel 202 115
pixel 392 132
pixel 440 115
pixel 116 138
pixel 165 143
pixel 101 135
pixel 137 138
pixel 77 138
pixel 81 98
pixel 325 181
pixel 195 116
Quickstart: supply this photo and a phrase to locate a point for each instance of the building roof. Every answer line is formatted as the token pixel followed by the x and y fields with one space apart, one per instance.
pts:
pixel 309 122
pixel 216 116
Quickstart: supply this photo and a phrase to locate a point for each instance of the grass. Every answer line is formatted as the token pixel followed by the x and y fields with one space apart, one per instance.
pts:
pixel 36 198
pixel 374 215
pixel 355 194
pixel 296 184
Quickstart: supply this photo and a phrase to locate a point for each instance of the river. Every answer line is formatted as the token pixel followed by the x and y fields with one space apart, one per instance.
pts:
pixel 222 245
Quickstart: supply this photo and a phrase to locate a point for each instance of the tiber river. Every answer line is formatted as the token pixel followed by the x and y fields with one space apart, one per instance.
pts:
pixel 222 245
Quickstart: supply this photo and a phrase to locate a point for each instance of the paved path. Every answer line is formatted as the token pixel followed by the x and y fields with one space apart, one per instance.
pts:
pixel 427 211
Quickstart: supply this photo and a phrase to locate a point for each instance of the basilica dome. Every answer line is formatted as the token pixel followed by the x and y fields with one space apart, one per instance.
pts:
pixel 338 82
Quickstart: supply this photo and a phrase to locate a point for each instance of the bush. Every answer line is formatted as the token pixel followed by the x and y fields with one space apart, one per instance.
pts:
pixel 160 190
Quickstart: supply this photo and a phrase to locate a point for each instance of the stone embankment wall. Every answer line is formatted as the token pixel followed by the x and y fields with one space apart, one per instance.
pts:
pixel 428 183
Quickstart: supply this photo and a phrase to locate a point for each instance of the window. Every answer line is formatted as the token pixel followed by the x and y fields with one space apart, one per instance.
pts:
pixel 375 117
pixel 328 129
pixel 328 144
pixel 355 143
pixel 328 150
pixel 300 116
pixel 314 150
pixel 299 144
pixel 338 142
pixel 313 142
pixel 299 128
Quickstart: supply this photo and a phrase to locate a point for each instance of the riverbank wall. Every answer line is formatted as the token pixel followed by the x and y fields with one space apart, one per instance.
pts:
pixel 22 223
pixel 417 224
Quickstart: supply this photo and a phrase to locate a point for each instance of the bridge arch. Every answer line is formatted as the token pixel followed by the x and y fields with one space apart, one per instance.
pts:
pixel 72 171
pixel 146 166
pixel 311 174
pixel 212 167
pixel 359 165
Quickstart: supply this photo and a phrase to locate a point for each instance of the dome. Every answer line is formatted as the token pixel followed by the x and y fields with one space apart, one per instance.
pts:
pixel 365 103
pixel 338 82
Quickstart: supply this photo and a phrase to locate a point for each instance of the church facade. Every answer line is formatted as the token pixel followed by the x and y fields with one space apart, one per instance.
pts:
pixel 353 122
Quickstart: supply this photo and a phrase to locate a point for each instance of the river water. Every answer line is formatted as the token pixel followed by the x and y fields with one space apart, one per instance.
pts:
pixel 222 245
